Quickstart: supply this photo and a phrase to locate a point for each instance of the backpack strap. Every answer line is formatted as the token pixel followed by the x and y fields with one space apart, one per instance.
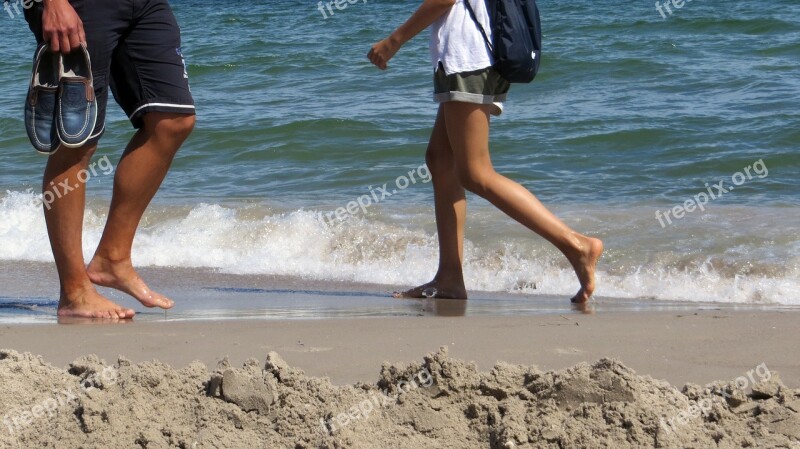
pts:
pixel 480 27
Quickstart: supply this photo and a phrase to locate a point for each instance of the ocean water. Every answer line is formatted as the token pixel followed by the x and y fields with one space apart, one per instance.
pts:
pixel 632 115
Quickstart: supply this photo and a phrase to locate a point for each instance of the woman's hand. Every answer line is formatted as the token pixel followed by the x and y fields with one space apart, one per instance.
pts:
pixel 383 51
pixel 61 26
pixel 428 12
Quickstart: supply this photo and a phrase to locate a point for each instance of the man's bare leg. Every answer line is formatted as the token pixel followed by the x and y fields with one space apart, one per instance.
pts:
pixel 139 175
pixel 468 132
pixel 451 211
pixel 64 197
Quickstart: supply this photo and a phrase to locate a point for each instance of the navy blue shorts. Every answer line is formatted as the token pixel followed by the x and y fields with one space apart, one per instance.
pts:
pixel 135 47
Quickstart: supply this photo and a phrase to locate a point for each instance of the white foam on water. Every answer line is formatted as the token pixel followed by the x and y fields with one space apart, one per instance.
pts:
pixel 686 264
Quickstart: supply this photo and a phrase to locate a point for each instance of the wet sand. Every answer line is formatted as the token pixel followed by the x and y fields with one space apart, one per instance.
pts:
pixel 680 347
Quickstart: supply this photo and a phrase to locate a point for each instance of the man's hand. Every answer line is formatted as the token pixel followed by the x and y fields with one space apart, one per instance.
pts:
pixel 383 51
pixel 61 26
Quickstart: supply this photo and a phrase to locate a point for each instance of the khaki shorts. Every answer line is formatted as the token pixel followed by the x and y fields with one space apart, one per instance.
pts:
pixel 484 86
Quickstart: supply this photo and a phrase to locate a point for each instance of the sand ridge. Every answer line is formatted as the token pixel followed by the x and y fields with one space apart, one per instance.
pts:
pixel 439 402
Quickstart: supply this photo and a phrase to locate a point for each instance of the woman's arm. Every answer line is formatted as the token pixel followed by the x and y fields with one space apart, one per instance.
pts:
pixel 428 12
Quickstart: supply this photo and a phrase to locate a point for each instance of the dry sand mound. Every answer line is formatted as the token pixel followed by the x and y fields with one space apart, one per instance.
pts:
pixel 440 403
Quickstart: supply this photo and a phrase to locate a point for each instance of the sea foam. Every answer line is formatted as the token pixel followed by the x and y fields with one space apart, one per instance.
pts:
pixel 711 259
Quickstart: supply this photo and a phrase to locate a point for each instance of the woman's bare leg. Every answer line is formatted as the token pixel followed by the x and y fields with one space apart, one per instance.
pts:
pixel 468 133
pixel 451 211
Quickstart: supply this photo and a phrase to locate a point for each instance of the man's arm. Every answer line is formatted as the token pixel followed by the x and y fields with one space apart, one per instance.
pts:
pixel 61 26
pixel 428 12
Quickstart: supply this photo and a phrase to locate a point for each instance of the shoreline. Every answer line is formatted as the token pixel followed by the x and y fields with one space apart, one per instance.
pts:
pixel 29 292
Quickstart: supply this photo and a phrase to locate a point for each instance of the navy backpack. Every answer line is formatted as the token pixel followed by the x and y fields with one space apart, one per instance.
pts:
pixel 517 33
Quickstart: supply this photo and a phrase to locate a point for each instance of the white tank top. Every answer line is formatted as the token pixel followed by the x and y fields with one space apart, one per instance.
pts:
pixel 457 42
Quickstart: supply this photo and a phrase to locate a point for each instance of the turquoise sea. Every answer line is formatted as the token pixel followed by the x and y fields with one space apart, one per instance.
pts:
pixel 632 114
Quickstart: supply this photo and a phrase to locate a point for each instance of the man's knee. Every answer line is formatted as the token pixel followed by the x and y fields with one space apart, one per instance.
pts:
pixel 172 126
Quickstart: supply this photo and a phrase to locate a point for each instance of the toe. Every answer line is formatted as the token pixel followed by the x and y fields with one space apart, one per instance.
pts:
pixel 413 293
pixel 156 300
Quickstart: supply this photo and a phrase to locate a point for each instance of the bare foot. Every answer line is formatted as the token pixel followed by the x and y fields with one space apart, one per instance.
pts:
pixel 121 276
pixel 585 262
pixel 434 289
pixel 93 305
pixel 73 320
